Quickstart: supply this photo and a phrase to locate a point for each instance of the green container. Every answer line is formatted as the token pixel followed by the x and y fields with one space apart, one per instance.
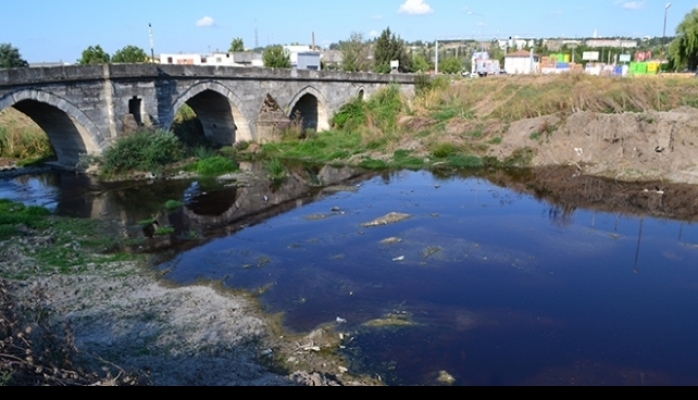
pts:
pixel 560 58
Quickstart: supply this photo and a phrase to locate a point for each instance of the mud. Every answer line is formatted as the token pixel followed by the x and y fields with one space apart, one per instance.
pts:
pixel 567 189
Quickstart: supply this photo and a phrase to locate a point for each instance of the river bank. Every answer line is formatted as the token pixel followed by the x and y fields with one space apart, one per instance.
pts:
pixel 121 323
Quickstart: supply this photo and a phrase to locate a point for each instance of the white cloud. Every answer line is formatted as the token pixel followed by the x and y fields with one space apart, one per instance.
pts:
pixel 631 5
pixel 377 17
pixel 373 34
pixel 205 22
pixel 415 7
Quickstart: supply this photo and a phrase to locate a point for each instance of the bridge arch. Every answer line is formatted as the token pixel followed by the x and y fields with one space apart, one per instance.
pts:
pixel 311 106
pixel 69 130
pixel 219 110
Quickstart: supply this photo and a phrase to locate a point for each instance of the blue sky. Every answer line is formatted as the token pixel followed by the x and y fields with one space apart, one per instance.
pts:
pixel 59 30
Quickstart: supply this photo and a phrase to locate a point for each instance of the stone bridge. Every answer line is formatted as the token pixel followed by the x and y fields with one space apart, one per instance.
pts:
pixel 83 109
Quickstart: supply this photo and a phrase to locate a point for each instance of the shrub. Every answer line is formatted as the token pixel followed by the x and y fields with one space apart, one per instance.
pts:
pixel 214 166
pixel 145 150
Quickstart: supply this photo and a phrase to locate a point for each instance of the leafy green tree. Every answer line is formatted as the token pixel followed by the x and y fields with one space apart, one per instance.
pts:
pixel 10 57
pixel 420 63
pixel 94 55
pixel 450 65
pixel 276 57
pixel 237 46
pixel 684 49
pixel 130 55
pixel 389 48
pixel 355 53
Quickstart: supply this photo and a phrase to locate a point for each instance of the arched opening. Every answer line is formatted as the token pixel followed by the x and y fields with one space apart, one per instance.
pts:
pixel 23 139
pixel 215 114
pixel 361 95
pixel 219 111
pixel 310 113
pixel 69 140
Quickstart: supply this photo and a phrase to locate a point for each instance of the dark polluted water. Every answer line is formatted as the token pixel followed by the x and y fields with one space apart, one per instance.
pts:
pixel 505 283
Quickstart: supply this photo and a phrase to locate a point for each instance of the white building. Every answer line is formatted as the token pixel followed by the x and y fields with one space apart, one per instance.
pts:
pixel 521 63
pixel 244 59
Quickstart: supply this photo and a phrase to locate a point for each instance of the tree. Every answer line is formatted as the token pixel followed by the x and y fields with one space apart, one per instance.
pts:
pixel 10 57
pixel 420 63
pixel 94 55
pixel 355 54
pixel 684 49
pixel 450 65
pixel 130 55
pixel 276 57
pixel 237 46
pixel 389 48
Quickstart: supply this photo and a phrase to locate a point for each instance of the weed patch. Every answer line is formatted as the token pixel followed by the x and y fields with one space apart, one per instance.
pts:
pixel 213 166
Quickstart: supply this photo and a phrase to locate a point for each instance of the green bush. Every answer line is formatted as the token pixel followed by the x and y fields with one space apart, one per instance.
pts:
pixel 145 150
pixel 351 115
pixel 214 166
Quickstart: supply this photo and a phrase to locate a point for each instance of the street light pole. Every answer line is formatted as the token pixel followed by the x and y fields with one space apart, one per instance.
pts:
pixel 666 15
pixel 152 44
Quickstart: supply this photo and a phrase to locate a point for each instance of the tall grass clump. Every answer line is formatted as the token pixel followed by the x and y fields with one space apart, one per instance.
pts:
pixel 351 116
pixel 214 166
pixel 145 150
pixel 21 138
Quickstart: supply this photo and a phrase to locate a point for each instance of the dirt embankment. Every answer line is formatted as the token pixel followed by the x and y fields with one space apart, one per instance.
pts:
pixel 628 146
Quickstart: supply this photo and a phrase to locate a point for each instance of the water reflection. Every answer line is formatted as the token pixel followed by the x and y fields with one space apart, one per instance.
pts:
pixel 506 277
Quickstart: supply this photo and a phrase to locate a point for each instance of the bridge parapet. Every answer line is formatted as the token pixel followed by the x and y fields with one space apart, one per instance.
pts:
pixel 86 73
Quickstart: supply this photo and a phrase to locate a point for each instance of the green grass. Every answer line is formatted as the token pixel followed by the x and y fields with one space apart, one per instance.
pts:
pixel 276 170
pixel 496 141
pixel 171 205
pixel 375 165
pixel 14 214
pixel 213 166
pixel 164 231
pixel 403 159
pixel 465 161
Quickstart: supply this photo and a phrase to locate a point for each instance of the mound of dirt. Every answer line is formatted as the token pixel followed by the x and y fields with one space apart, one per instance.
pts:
pixel 628 146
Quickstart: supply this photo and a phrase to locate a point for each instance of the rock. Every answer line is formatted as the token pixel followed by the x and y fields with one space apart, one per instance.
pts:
pixel 391 218
pixel 446 378
pixel 392 240
pixel 313 379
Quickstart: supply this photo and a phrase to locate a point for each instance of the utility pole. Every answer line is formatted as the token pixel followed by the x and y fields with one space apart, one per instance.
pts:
pixel 152 43
pixel 436 69
pixel 666 15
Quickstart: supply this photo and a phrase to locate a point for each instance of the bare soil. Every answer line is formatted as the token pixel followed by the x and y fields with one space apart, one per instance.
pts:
pixel 629 146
